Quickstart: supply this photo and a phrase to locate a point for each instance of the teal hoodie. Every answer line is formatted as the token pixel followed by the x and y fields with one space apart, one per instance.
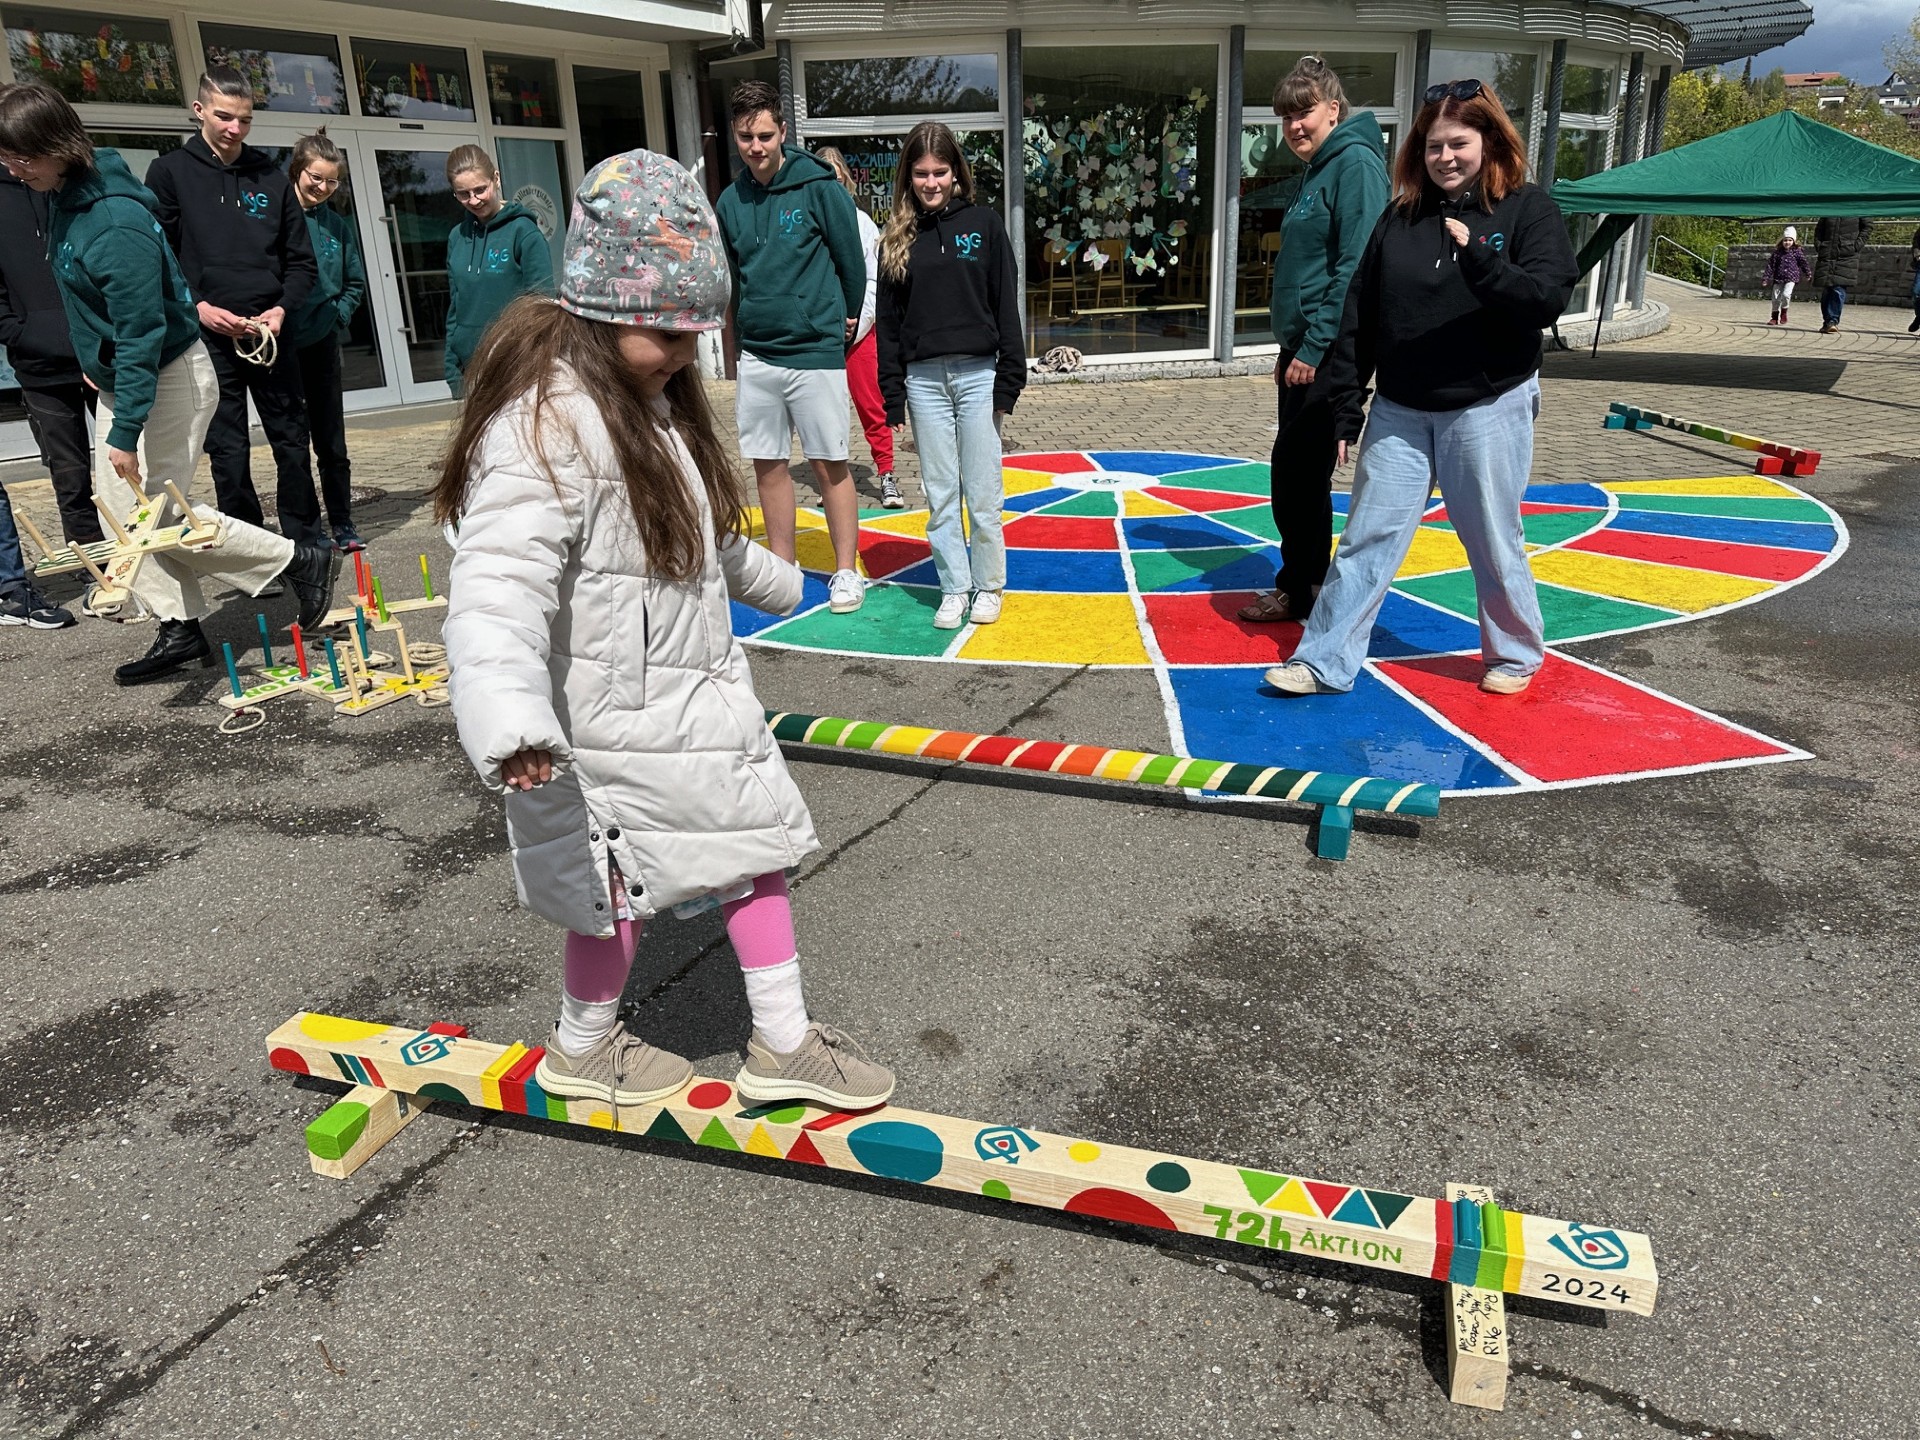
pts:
pixel 799 269
pixel 342 284
pixel 128 306
pixel 1324 234
pixel 489 265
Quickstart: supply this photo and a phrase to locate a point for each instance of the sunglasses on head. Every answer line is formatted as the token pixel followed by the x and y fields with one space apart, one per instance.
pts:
pixel 1458 90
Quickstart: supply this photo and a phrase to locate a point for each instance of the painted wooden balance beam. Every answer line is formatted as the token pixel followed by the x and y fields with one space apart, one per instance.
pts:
pixel 1774 458
pixel 1338 796
pixel 1468 1242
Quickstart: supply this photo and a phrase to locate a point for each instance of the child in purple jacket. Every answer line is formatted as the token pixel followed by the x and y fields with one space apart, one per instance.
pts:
pixel 1786 265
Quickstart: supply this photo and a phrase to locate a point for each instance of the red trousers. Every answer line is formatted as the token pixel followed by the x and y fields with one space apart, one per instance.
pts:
pixel 863 379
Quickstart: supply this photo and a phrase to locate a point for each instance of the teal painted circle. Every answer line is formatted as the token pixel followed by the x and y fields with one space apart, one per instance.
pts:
pixel 1169 1177
pixel 898 1150
pixel 996 1190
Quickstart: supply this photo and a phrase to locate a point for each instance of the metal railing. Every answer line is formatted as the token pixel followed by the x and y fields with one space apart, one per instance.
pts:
pixel 1715 267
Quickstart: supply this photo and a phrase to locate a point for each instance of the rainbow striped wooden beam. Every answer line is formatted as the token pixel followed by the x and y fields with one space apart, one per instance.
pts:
pixel 1775 458
pixel 1462 1242
pixel 1338 796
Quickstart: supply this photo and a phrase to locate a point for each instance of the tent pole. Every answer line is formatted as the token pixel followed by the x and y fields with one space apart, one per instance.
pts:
pixel 1606 281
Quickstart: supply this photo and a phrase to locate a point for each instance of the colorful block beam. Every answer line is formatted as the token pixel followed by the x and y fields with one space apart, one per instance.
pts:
pixel 1588 1265
pixel 1339 795
pixel 1775 458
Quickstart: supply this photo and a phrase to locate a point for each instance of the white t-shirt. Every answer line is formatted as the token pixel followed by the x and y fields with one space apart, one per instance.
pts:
pixel 869 242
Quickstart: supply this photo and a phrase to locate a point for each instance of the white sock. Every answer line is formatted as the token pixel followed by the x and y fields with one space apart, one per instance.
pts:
pixel 585 1023
pixel 779 1011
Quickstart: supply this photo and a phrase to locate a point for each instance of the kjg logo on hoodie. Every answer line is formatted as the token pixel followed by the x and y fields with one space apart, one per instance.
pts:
pixel 790 220
pixel 968 246
pixel 255 203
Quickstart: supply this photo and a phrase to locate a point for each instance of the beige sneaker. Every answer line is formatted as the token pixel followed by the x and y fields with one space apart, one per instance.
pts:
pixel 621 1070
pixel 829 1069
pixel 1505 682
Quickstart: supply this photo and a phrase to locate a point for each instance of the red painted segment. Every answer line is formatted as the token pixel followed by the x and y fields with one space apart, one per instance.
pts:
pixel 1757 562
pixel 885 554
pixel 1573 723
pixel 1059 462
pixel 805 1152
pixel 1442 1239
pixel 838 1117
pixel 1040 755
pixel 513 1084
pixel 1327 1197
pixel 1061 532
pixel 1202 500
pixel 442 1027
pixel 710 1096
pixel 1118 1205
pixel 1204 630
pixel 373 1075
pixel 289 1060
pixel 994 749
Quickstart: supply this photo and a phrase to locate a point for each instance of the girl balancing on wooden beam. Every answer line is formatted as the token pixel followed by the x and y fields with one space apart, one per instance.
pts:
pixel 594 679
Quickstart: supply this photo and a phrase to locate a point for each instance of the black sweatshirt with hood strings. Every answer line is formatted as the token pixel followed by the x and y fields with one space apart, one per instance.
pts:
pixel 33 318
pixel 960 296
pixel 238 229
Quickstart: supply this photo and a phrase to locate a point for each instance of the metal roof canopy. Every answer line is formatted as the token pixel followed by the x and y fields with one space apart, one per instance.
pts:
pixel 1723 30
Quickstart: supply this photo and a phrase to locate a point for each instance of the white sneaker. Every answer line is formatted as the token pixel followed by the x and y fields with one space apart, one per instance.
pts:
pixel 845 592
pixel 1294 678
pixel 986 607
pixel 890 495
pixel 953 610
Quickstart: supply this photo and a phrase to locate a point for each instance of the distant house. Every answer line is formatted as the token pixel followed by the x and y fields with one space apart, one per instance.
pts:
pixel 1811 80
pixel 1896 94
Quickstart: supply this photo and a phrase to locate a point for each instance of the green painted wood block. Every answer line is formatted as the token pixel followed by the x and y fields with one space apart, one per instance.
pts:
pixel 334 1133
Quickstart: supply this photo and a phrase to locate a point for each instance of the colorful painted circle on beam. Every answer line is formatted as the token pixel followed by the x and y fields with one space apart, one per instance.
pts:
pixel 1141 559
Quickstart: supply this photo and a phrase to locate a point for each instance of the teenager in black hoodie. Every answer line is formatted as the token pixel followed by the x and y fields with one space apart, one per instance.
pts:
pixel 1444 315
pixel 241 236
pixel 952 355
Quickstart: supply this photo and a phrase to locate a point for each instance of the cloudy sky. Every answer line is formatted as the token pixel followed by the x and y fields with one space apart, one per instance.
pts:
pixel 1847 36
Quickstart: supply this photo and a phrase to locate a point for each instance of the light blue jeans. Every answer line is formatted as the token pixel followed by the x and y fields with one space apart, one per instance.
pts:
pixel 1480 457
pixel 950 401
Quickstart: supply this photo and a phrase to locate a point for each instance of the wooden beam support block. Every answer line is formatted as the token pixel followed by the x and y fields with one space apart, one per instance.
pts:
pixel 1476 1325
pixel 1335 833
pixel 354 1127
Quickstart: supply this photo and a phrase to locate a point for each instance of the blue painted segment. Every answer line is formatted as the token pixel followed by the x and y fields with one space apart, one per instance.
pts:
pixel 1786 534
pixel 1230 712
pixel 1467 1240
pixel 1037 499
pixel 1574 494
pixel 749 621
pixel 1407 627
pixel 1355 1210
pixel 1084 572
pixel 898 1150
pixel 1179 532
pixel 1158 462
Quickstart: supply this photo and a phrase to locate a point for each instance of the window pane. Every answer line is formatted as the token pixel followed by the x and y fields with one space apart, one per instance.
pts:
pixel 360 367
pixel 1119 168
pixel 95 59
pixel 420 211
pixel 1589 90
pixel 523 90
pixel 1511 76
pixel 613 111
pixel 139 151
pixel 294 73
pixel 1367 76
pixel 722 76
pixel 533 174
pixel 413 82
pixel 873 159
pixel 903 85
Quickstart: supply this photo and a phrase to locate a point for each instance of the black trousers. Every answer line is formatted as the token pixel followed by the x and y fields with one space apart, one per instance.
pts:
pixel 327 421
pixel 58 418
pixel 1302 488
pixel 282 408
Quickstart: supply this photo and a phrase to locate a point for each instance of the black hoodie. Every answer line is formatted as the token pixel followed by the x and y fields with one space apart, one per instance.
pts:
pixel 33 318
pixel 1439 326
pixel 960 297
pixel 238 229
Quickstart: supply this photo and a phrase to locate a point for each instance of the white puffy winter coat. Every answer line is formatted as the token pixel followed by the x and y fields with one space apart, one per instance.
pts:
pixel 559 639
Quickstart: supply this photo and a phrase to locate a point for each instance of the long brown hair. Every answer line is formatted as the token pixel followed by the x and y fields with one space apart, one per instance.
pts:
pixel 521 356
pixel 1503 163
pixel 929 137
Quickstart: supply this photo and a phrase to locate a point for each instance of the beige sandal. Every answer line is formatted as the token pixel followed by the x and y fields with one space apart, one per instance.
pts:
pixel 1270 607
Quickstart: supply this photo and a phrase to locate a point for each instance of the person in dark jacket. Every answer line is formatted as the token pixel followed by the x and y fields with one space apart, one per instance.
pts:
pixel 242 241
pixel 33 328
pixel 1444 316
pixel 136 335
pixel 953 356
pixel 316 169
pixel 1837 243
pixel 496 254
pixel 1323 236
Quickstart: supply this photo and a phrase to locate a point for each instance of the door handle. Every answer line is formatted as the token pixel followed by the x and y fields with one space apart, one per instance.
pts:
pixel 400 274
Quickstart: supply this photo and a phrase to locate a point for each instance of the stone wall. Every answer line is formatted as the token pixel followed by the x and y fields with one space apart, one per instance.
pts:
pixel 1886 273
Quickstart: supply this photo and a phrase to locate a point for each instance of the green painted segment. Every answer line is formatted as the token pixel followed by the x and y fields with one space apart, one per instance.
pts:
pixel 1158 569
pixel 1159 768
pixel 1249 479
pixel 861 736
pixel 829 730
pixel 789 727
pixel 996 1190
pixel 1492 1274
pixel 1170 1177
pixel 895 620
pixel 338 1128
pixel 665 1127
pixel 1261 1186
pixel 1387 1205
pixel 557 1108
pixel 786 1114
pixel 1737 507
pixel 1101 504
pixel 1554 528
pixel 716 1135
pixel 1255 520
pixel 1239 778
pixel 440 1090
pixel 1569 614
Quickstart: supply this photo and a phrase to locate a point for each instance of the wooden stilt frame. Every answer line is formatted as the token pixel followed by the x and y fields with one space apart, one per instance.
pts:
pixel 1466 1241
pixel 137 534
pixel 1774 458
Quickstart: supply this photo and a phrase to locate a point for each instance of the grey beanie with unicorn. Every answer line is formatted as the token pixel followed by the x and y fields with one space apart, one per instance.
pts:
pixel 643 248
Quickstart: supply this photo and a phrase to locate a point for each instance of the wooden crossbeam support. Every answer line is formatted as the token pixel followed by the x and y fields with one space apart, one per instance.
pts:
pixel 1774 458
pixel 1476 1245
pixel 1476 1318
pixel 351 1131
pixel 1338 796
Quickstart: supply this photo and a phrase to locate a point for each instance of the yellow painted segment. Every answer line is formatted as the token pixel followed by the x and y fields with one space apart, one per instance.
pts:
pixel 1121 764
pixel 1723 485
pixel 1057 629
pixel 1136 506
pixel 761 1143
pixel 1431 552
pixel 601 1119
pixel 1085 1151
pixel 814 550
pixel 490 1077
pixel 1516 1253
pixel 908 739
pixel 756 522
pixel 1293 1197
pixel 1024 482
pixel 332 1030
pixel 907 522
pixel 1668 586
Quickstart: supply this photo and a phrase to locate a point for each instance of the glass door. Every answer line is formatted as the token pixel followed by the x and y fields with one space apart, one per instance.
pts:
pixel 416 210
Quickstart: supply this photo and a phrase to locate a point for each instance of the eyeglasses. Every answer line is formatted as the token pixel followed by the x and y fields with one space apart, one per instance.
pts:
pixel 1458 90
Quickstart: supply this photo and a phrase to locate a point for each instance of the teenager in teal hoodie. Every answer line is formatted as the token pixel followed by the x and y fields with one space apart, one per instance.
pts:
pixel 1322 237
pixel 314 331
pixel 496 254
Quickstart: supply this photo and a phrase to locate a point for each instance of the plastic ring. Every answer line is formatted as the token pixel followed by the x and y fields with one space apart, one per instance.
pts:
pixel 254 713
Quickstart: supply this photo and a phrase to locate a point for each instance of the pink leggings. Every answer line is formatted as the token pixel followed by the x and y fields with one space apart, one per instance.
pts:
pixel 760 926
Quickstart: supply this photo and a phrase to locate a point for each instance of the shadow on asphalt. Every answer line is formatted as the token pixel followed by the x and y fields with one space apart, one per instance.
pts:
pixel 1802 374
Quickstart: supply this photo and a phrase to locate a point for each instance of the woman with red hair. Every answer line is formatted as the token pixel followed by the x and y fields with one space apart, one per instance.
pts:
pixel 1444 318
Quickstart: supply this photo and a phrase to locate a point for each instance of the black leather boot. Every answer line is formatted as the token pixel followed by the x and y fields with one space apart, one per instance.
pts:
pixel 178 642
pixel 310 572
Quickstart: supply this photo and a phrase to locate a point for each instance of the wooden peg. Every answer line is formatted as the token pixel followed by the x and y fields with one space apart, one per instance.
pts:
pixel 33 531
pixel 186 506
pixel 113 521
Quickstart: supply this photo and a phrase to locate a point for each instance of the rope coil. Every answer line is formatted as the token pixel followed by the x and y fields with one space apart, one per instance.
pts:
pixel 259 346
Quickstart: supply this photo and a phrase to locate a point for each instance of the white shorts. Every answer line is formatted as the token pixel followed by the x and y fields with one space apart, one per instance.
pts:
pixel 773 403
